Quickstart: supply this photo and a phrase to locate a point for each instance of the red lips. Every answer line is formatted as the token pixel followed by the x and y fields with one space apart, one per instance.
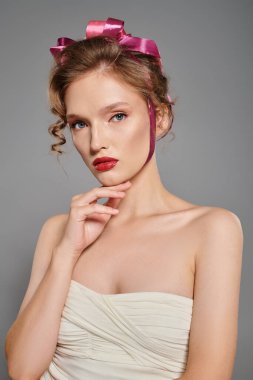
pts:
pixel 103 159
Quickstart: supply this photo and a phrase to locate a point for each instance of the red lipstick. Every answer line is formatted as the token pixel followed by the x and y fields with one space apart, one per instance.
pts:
pixel 104 163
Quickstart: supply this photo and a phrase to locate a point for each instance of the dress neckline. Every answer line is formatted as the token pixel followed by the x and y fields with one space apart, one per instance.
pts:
pixel 132 294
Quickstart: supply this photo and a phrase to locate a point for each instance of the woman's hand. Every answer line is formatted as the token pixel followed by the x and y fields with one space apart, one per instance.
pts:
pixel 87 218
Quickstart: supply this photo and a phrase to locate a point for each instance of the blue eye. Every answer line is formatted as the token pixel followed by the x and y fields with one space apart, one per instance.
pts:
pixel 72 126
pixel 76 122
pixel 120 113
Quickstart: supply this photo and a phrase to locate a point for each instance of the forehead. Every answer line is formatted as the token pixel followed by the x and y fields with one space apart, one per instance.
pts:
pixel 102 110
pixel 97 88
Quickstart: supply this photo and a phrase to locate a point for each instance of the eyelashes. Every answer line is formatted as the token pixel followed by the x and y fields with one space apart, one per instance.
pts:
pixel 73 124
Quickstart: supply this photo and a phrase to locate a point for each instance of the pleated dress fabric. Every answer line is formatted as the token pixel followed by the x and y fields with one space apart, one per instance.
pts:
pixel 125 336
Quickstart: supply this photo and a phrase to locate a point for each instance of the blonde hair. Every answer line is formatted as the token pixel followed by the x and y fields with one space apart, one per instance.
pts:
pixel 142 71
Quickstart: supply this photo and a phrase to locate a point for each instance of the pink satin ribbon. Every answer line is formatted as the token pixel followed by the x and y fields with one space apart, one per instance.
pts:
pixel 114 28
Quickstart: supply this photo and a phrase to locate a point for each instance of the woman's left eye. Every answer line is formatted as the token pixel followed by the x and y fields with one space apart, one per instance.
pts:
pixel 119 113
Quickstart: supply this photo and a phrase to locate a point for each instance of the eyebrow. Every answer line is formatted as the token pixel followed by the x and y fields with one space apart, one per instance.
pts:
pixel 102 110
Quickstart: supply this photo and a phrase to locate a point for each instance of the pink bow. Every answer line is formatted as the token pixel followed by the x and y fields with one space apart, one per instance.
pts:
pixel 112 27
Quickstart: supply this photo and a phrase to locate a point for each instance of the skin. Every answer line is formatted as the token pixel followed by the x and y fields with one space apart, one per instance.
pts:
pixel 157 241
pixel 186 249
pixel 146 214
pixel 126 139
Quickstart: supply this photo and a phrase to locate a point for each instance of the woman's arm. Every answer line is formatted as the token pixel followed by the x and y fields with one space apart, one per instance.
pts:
pixel 31 340
pixel 213 334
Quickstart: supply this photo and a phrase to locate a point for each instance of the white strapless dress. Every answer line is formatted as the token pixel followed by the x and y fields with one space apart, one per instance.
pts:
pixel 127 336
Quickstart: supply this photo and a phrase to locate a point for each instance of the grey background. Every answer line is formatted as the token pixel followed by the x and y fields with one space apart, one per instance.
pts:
pixel 206 47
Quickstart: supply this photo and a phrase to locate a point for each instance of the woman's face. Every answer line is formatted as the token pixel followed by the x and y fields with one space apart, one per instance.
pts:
pixel 120 131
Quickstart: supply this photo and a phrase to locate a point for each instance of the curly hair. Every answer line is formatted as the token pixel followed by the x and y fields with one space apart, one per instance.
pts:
pixel 142 71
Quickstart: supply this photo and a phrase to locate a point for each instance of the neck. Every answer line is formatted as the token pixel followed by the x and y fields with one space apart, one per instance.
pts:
pixel 146 196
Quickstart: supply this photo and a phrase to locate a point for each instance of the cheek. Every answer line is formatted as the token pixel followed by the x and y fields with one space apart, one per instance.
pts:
pixel 137 141
pixel 133 141
pixel 80 145
pixel 78 141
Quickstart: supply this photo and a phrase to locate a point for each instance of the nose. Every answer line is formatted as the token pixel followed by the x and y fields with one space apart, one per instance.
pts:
pixel 98 138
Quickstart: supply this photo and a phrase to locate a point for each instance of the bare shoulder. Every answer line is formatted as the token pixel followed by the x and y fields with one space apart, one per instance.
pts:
pixel 50 235
pixel 212 215
pixel 221 215
pixel 56 220
pixel 220 225
pixel 54 225
pixel 216 295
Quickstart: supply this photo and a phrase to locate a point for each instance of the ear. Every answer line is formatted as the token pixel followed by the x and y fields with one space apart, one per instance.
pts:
pixel 162 119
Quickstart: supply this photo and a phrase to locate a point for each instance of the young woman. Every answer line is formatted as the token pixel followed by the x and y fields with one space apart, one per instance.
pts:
pixel 146 285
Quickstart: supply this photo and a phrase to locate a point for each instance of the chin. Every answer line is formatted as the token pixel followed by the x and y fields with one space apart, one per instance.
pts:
pixel 110 182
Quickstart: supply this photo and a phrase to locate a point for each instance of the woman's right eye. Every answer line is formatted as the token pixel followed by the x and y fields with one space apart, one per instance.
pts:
pixel 72 125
